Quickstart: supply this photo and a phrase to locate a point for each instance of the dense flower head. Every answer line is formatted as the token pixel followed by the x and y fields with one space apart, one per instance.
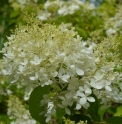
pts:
pixel 45 54
pixel 39 54
pixel 36 54
pixel 114 24
pixel 56 8
pixel 109 70
pixel 17 112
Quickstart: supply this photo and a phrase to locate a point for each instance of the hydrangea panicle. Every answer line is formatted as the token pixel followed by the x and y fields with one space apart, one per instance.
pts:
pixel 45 54
pixel 17 112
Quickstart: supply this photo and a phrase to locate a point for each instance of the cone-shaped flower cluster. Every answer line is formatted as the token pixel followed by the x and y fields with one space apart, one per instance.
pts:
pixel 17 112
pixel 61 8
pixel 114 24
pixel 44 54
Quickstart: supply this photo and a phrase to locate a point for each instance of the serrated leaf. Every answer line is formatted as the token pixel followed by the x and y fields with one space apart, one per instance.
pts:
pixel 114 120
pixel 34 103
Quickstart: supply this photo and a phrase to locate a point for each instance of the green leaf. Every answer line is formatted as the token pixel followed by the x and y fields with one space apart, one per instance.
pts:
pixel 119 111
pixel 111 110
pixel 34 103
pixel 1 97
pixel 14 14
pixel 114 120
pixel 102 110
pixel 60 112
pixel 4 119
pixel 93 109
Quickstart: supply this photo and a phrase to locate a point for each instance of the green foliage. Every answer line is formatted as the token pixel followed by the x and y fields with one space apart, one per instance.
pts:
pixel 118 111
pixel 102 110
pixel 4 119
pixel 60 112
pixel 34 103
pixel 114 120
pixel 93 109
pixel 88 23
pixel 78 117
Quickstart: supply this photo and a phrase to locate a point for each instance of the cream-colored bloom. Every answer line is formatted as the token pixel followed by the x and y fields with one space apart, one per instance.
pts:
pixel 29 53
pixel 18 112
pixel 43 15
pixel 114 24
pixel 45 54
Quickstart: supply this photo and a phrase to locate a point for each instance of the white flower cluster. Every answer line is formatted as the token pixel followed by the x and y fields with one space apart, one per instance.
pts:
pixel 37 58
pixel 3 91
pixel 107 79
pixel 69 7
pixel 59 7
pixel 1 80
pixel 114 24
pixel 48 55
pixel 106 83
pixel 17 112
pixel 21 3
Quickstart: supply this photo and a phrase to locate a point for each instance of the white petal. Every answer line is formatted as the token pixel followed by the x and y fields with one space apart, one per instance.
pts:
pixel 98 76
pixel 81 88
pixel 27 89
pixel 79 93
pixel 108 82
pixel 92 82
pixel 79 71
pixel 5 72
pixel 48 118
pixel 61 97
pixel 36 58
pixel 21 68
pixel 25 116
pixel 61 71
pixel 86 105
pixel 67 111
pixel 32 78
pixel 71 71
pixel 90 99
pixel 54 74
pixel 33 62
pixel 78 106
pixel 13 81
pixel 65 77
pixel 48 82
pixel 68 95
pixel 82 100
pixel 25 62
pixel 108 88
pixel 99 86
pixel 87 90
